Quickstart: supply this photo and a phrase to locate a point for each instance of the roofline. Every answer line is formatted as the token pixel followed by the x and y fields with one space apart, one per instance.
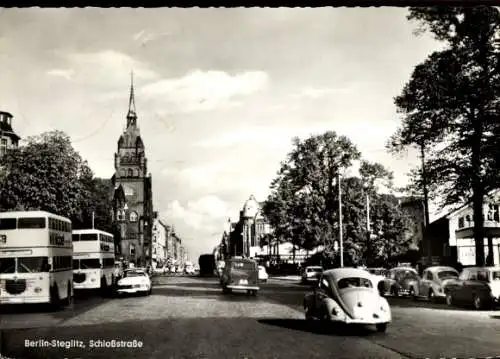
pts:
pixel 6 113
pixel 32 214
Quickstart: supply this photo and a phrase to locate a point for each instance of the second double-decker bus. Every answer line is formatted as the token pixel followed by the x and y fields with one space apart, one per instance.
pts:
pixel 35 258
pixel 93 259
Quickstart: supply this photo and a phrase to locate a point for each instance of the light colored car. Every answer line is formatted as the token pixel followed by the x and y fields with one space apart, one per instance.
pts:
pixel 433 281
pixel 479 286
pixel 348 295
pixel 311 273
pixel 189 268
pixel 263 276
pixel 134 281
pixel 399 281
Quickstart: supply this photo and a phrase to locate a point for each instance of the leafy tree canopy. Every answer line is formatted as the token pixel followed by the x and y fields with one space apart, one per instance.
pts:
pixel 303 204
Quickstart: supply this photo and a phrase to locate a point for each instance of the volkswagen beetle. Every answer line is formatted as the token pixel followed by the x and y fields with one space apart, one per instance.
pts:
pixel 348 295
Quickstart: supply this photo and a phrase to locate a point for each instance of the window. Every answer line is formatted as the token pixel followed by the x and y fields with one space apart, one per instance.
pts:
pixel 76 264
pixel 75 237
pixel 464 275
pixel 133 216
pixel 28 223
pixel 355 282
pixel 3 146
pixel 472 276
pixel 7 223
pixel 88 237
pixel 461 222
pixel 447 274
pixel 130 172
pixel 493 213
pixel 32 264
pixel 108 263
pixel 427 275
pixel 7 265
pixel 483 276
pixel 93 263
pixel 62 263
pixel 132 250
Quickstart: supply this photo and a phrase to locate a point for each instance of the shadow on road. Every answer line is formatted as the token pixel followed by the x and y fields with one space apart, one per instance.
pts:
pixel 207 293
pixel 420 303
pixel 318 327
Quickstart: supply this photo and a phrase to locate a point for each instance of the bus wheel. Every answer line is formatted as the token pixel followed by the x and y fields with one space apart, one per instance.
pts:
pixel 55 301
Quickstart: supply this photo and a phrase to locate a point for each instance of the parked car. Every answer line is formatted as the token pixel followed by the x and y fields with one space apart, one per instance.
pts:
pixel 348 295
pixel 433 281
pixel 398 281
pixel 240 274
pixel 378 275
pixel 134 281
pixel 311 273
pixel 479 286
pixel 263 276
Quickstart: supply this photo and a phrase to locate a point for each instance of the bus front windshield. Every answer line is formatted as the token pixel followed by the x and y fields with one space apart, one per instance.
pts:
pixel 24 265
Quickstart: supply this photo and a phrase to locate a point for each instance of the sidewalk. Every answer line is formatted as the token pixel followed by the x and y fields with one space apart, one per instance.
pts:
pixel 295 278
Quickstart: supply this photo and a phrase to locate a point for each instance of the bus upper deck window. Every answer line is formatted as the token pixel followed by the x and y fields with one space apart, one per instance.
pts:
pixel 8 223
pixel 26 223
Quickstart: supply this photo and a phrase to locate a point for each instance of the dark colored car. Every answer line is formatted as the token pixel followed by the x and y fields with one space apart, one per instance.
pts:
pixel 479 286
pixel 240 274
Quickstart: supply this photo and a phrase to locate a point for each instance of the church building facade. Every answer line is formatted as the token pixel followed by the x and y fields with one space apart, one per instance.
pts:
pixel 132 195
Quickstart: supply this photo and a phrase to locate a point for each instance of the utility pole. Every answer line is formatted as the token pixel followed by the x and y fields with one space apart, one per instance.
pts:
pixel 93 215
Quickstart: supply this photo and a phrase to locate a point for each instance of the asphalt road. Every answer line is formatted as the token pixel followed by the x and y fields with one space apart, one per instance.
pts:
pixel 191 318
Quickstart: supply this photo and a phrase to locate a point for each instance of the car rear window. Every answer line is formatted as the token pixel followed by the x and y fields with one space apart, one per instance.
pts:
pixel 355 282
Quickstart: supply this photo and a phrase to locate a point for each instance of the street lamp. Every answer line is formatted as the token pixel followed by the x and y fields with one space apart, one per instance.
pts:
pixel 340 224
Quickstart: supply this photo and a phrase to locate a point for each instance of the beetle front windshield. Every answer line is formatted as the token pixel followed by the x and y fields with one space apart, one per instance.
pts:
pixel 354 282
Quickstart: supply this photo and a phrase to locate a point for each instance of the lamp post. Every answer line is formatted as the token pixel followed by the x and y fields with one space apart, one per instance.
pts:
pixel 341 241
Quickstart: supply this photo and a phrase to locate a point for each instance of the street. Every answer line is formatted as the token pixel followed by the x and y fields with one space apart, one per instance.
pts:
pixel 189 317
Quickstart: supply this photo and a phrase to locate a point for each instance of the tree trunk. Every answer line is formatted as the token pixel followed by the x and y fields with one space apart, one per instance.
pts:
pixel 478 226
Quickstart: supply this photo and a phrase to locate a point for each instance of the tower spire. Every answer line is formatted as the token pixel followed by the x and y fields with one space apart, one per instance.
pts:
pixel 131 115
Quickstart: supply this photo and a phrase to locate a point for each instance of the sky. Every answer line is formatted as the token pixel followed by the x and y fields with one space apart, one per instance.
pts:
pixel 220 93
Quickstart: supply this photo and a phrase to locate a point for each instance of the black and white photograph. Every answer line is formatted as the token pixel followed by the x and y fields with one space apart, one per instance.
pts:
pixel 274 183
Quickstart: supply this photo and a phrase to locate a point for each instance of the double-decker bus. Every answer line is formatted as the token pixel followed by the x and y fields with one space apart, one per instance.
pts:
pixel 93 259
pixel 35 258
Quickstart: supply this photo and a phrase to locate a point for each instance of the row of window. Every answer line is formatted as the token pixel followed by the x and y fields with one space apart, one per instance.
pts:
pixel 83 237
pixel 93 263
pixel 41 264
pixel 121 216
pixel 492 214
pixel 62 262
pixel 34 223
pixel 129 173
pixel 58 225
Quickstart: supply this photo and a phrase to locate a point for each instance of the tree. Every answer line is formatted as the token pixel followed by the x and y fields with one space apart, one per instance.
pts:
pixel 96 203
pixel 45 174
pixel 302 204
pixel 450 108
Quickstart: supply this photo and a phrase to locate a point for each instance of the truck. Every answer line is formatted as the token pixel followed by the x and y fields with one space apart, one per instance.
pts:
pixel 207 265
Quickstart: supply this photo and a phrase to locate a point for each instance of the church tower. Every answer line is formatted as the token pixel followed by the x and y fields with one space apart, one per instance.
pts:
pixel 132 200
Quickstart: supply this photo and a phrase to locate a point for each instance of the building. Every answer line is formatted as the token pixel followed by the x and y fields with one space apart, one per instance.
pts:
pixel 132 195
pixel 450 238
pixel 159 246
pixel 8 138
pixel 414 209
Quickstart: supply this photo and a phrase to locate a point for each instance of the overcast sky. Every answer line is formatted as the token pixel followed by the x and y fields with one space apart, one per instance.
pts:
pixel 219 92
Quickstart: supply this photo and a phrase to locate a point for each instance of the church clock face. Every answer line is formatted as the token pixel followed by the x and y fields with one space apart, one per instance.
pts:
pixel 129 191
